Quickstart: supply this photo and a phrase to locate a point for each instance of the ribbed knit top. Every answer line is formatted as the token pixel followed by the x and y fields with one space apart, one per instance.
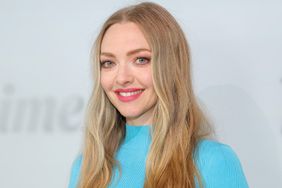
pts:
pixel 217 163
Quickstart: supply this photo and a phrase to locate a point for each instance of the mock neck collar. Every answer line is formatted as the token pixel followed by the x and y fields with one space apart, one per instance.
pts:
pixel 134 130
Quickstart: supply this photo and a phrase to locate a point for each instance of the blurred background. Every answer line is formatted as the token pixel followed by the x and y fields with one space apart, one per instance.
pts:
pixel 45 82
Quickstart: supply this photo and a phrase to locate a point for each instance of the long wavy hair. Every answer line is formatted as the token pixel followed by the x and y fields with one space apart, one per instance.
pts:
pixel 178 123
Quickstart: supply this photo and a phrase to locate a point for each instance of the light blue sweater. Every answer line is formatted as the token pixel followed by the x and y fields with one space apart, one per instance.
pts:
pixel 217 163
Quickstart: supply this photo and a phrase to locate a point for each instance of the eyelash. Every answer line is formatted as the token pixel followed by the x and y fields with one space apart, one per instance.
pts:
pixel 145 58
pixel 103 63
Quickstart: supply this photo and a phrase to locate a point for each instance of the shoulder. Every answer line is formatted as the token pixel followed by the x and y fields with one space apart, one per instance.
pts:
pixel 209 149
pixel 219 166
pixel 75 172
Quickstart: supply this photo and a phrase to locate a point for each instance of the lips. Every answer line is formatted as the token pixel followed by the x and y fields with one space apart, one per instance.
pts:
pixel 128 94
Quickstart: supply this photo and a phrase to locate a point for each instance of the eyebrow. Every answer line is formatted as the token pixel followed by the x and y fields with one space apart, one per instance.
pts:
pixel 130 53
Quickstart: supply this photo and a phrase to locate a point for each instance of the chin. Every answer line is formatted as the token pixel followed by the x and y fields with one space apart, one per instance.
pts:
pixel 129 114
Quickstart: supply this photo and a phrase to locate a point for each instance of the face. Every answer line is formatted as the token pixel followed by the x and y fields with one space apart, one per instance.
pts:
pixel 126 72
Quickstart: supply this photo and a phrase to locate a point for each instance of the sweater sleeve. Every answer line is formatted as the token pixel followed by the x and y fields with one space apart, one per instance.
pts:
pixel 220 167
pixel 75 172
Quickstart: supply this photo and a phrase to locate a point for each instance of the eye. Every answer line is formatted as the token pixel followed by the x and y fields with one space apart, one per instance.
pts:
pixel 142 60
pixel 106 64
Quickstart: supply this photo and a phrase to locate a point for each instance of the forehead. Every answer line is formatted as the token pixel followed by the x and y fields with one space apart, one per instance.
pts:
pixel 122 37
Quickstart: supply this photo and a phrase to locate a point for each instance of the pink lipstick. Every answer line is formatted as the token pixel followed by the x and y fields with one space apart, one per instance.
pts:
pixel 128 94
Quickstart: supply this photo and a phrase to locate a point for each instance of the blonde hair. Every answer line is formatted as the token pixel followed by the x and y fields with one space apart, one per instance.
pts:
pixel 177 121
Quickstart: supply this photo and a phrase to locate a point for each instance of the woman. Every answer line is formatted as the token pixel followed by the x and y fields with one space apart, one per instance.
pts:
pixel 144 126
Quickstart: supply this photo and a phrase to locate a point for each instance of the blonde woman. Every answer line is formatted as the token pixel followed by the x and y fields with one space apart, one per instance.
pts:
pixel 144 126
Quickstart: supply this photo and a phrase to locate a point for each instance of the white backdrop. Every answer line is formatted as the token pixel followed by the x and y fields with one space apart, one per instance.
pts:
pixel 45 82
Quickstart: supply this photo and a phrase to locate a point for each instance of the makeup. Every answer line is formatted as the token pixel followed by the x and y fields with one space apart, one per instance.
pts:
pixel 129 94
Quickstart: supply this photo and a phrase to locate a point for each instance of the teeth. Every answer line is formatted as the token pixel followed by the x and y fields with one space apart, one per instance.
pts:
pixel 126 94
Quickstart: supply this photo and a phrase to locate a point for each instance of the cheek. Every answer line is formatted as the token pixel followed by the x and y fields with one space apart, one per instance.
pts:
pixel 146 78
pixel 105 82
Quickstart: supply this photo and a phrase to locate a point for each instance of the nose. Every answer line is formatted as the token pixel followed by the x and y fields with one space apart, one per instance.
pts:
pixel 124 74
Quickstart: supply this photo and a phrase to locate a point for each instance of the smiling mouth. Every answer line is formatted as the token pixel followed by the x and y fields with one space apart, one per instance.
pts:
pixel 128 96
